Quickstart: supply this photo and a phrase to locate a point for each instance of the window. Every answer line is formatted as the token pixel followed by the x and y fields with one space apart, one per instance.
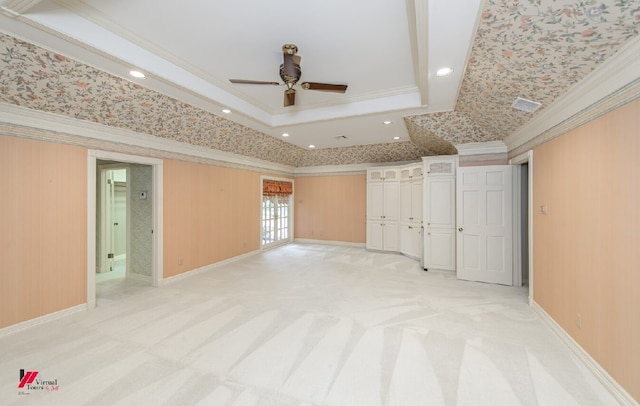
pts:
pixel 276 221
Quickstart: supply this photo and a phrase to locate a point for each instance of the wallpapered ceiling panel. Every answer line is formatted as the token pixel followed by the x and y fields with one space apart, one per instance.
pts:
pixel 537 49
pixel 39 79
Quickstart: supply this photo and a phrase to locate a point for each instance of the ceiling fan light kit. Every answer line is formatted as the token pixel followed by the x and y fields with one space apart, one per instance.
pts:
pixel 290 73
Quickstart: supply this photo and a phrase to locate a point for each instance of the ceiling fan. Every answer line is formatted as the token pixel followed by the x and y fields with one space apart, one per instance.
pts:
pixel 290 73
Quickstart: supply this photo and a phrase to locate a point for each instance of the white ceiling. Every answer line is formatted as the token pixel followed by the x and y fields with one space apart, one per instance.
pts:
pixel 387 51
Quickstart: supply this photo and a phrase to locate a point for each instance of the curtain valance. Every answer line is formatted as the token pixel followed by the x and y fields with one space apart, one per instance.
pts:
pixel 276 188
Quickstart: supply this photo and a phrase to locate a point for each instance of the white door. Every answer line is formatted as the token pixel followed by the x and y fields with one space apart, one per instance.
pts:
pixel 484 219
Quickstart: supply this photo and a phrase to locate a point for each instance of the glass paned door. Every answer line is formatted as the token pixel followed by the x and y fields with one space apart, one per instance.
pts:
pixel 275 219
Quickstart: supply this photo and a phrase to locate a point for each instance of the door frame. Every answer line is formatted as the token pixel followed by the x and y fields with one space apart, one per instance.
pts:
pixel 524 158
pixel 157 196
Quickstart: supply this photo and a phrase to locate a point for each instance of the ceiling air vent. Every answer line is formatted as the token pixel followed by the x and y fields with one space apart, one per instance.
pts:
pixel 526 105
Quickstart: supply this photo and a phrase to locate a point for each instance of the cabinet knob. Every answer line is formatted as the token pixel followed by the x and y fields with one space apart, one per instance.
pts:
pixel 460 229
pixel 382 217
pixel 410 218
pixel 410 227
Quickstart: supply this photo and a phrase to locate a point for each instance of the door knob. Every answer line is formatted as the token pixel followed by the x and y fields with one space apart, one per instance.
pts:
pixel 460 229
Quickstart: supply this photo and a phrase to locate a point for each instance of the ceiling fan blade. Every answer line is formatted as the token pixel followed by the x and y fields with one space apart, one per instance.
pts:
pixel 324 87
pixel 253 82
pixel 289 97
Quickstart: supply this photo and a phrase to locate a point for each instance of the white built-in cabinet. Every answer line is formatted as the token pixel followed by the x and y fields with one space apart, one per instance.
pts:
pixel 439 251
pixel 394 209
pixel 411 209
pixel 383 199
pixel 410 223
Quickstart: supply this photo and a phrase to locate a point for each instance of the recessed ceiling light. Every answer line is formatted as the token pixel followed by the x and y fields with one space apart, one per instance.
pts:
pixel 386 122
pixel 444 72
pixel 137 74
pixel 312 146
pixel 396 138
pixel 226 111
pixel 285 134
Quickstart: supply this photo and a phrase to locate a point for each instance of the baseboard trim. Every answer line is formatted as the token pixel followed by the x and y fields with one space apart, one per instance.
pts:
pixel 324 242
pixel 138 277
pixel 24 325
pixel 206 268
pixel 592 365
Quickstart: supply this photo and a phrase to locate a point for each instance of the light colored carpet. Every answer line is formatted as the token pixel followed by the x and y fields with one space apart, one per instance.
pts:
pixel 303 325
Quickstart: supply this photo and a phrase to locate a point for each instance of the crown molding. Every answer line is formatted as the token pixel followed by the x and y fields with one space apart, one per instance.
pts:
pixel 351 169
pixel 85 133
pixel 481 148
pixel 17 7
pixel 586 100
pixel 418 18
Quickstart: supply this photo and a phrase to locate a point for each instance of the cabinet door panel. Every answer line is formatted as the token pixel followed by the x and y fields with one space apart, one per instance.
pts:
pixel 391 238
pixel 439 249
pixel 375 200
pixel 440 205
pixel 391 203
pixel 416 201
pixel 375 236
pixel 405 201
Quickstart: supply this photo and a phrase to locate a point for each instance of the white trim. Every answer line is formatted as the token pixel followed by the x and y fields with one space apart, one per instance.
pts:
pixel 615 73
pixel 24 117
pixel 592 365
pixel 527 157
pixel 326 242
pixel 157 195
pixel 206 268
pixel 352 169
pixel 27 324
pixel 15 8
pixel 138 277
pixel 481 148
pixel 91 231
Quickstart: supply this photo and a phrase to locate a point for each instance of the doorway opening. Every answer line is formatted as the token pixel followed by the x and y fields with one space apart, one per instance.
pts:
pixel 113 232
pixel 277 212
pixel 124 219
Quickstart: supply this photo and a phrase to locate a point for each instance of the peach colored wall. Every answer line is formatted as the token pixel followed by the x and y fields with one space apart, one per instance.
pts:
pixel 331 208
pixel 587 248
pixel 43 228
pixel 210 214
